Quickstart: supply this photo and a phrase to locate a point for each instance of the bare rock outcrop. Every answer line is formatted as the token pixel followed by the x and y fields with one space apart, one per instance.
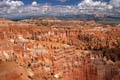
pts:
pixel 52 49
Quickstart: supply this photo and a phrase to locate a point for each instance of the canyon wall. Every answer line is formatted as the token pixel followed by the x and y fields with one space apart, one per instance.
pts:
pixel 59 50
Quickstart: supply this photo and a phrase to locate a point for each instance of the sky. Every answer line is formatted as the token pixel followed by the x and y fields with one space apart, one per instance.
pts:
pixel 57 2
pixel 23 8
pixel 53 2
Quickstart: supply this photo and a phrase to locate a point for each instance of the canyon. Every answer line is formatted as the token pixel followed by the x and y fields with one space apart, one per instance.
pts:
pixel 54 49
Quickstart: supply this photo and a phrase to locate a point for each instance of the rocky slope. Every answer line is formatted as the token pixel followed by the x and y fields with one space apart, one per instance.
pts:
pixel 53 49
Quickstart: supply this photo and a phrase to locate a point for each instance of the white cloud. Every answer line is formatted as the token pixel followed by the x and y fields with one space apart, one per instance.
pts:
pixel 90 4
pixel 115 3
pixel 18 8
pixel 13 3
pixel 34 3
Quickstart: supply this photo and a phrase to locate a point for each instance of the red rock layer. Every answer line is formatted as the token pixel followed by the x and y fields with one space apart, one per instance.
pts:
pixel 59 50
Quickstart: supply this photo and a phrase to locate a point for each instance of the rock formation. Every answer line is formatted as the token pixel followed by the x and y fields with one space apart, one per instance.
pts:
pixel 52 49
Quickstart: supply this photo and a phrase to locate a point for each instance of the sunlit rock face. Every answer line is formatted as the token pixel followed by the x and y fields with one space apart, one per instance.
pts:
pixel 12 71
pixel 53 49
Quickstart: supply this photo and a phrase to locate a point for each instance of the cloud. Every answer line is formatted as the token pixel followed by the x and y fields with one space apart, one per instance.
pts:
pixel 13 3
pixel 115 3
pixel 11 8
pixel 34 3
pixel 94 7
pixel 90 4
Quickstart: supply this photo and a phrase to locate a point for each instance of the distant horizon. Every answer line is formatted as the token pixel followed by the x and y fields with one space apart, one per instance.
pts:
pixel 103 20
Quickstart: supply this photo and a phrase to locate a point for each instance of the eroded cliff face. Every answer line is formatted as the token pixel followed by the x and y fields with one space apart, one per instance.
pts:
pixel 59 50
